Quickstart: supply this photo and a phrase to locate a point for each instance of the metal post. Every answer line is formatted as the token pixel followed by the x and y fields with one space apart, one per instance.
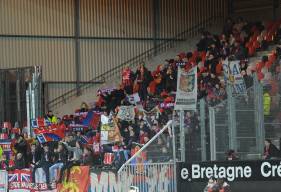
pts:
pixel 77 45
pixel 212 130
pixel 156 23
pixel 231 118
pixel 259 115
pixel 174 155
pixel 37 87
pixel 1 98
pixel 182 136
pixel 7 101
pixel 28 112
pixel 230 7
pixel 18 97
pixel 275 6
pixel 46 96
pixel 203 130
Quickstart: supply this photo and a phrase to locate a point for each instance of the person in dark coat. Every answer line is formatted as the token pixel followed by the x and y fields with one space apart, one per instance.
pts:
pixel 170 79
pixel 45 163
pixel 60 159
pixel 270 150
pixel 144 77
pixel 34 156
pixel 88 158
pixel 21 146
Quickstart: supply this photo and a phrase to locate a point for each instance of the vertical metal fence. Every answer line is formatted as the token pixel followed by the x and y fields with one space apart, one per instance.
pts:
pixel 191 128
pixel 236 124
pixel 272 109
pixel 152 167
pixel 13 84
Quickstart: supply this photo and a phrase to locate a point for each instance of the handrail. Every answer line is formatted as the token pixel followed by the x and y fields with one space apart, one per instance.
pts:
pixel 135 60
pixel 146 145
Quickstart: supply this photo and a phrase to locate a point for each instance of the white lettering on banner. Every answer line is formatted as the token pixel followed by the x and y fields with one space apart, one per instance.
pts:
pixel 195 171
pixel 248 172
pixel 99 184
pixel 184 173
pixel 156 179
pixel 268 170
pixel 265 169
pixel 161 183
pixel 113 182
pixel 230 173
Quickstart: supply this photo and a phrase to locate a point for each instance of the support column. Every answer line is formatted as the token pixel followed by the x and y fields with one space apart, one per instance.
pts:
pixel 77 45
pixel 203 130
pixel 156 23
pixel 275 6
pixel 182 136
pixel 18 96
pixel 174 154
pixel 231 118
pixel 259 115
pixel 212 127
pixel 230 7
pixel 1 98
pixel 7 100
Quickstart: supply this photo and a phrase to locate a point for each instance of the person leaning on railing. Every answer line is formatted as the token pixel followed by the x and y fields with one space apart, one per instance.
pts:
pixel 75 160
pixel 60 159
pixel 270 150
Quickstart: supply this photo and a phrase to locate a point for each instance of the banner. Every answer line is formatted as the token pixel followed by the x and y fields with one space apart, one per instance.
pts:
pixel 79 180
pixel 186 96
pixel 109 133
pixel 233 76
pixel 5 144
pixel 231 171
pixel 20 180
pixel 126 113
pixel 158 179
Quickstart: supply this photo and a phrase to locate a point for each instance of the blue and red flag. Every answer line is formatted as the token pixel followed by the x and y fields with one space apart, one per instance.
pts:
pixel 40 122
pixel 51 133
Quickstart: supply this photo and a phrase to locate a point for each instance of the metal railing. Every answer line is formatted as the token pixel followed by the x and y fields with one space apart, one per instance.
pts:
pixel 235 124
pixel 272 109
pixel 161 47
pixel 153 166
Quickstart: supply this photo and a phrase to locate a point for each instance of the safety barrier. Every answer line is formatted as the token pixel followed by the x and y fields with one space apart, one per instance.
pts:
pixel 152 167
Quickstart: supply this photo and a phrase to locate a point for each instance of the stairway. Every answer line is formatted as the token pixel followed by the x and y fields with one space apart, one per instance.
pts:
pixel 91 94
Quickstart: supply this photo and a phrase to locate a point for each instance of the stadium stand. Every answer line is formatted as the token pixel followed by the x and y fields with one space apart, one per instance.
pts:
pixel 123 119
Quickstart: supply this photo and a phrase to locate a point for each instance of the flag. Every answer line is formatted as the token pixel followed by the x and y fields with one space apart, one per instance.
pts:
pixel 23 175
pixel 84 139
pixel 51 133
pixel 95 121
pixel 47 137
pixel 92 119
pixel 40 122
pixel 79 180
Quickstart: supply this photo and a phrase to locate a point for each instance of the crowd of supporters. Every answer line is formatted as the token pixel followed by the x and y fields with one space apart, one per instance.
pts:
pixel 153 98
